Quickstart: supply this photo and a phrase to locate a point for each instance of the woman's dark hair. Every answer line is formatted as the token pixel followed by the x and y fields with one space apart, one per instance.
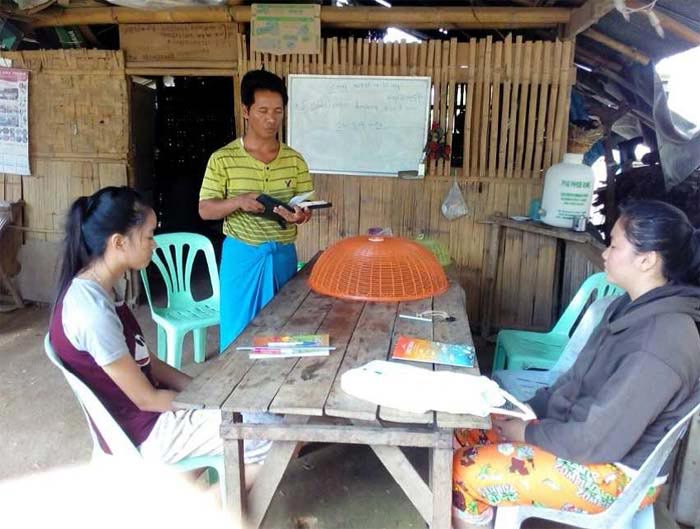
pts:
pixel 655 226
pixel 261 80
pixel 91 221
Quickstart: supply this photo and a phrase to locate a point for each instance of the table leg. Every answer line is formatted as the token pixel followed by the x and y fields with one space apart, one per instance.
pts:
pixel 407 478
pixel 270 476
pixel 441 485
pixel 234 468
pixel 268 480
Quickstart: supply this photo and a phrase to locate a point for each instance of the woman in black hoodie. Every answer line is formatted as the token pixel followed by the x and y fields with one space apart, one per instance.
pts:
pixel 636 376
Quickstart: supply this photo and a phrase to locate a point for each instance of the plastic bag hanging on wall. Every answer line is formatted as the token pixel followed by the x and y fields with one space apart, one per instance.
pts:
pixel 454 205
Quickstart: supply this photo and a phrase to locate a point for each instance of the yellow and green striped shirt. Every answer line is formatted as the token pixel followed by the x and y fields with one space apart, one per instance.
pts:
pixel 232 171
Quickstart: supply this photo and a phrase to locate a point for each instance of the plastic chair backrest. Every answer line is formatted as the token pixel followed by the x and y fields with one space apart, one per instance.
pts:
pixel 590 320
pixel 621 512
pixel 176 270
pixel 96 414
pixel 628 502
pixel 595 283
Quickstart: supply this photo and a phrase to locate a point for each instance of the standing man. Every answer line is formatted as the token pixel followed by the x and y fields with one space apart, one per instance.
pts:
pixel 258 255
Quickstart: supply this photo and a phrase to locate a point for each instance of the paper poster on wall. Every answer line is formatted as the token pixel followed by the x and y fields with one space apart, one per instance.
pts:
pixel 14 126
pixel 287 28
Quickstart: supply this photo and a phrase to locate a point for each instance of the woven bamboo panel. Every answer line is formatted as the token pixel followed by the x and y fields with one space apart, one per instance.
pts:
pixel 78 103
pixel 78 133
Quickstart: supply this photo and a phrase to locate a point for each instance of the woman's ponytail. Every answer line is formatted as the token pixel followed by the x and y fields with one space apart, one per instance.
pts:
pixel 75 253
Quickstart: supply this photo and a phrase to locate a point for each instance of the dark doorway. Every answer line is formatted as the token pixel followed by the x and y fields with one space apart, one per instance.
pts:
pixel 177 123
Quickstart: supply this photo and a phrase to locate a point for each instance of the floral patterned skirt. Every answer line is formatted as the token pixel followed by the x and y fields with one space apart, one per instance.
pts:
pixel 488 473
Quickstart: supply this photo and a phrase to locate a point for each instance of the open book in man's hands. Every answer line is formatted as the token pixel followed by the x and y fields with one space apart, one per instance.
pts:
pixel 303 202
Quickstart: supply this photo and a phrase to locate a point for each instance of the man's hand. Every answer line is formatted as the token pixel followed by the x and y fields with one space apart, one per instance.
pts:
pixel 248 203
pixel 298 216
pixel 510 429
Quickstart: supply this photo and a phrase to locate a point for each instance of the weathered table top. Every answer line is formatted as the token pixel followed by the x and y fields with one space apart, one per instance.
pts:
pixel 360 332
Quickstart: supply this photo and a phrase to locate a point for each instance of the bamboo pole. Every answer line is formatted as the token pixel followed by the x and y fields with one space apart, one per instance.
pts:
pixel 485 106
pixel 476 129
pixel 552 106
pixel 469 87
pixel 495 108
pixel 545 82
pixel 505 110
pixel 359 17
pixel 532 108
pixel 513 119
pixel 627 51
pixel 452 101
pixel 671 24
pixel 431 166
pixel 522 109
pixel 445 106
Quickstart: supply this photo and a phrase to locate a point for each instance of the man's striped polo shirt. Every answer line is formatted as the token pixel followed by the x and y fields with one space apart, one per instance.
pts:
pixel 231 171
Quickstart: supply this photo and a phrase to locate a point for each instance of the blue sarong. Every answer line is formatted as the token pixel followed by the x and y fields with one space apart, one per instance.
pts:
pixel 250 276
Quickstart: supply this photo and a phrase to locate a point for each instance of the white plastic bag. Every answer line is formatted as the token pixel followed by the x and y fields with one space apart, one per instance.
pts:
pixel 454 205
pixel 414 389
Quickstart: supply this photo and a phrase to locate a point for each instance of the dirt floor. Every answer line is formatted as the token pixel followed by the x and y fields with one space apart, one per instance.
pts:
pixel 42 427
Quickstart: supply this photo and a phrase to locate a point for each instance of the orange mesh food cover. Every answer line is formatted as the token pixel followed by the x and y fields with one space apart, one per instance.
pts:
pixel 369 268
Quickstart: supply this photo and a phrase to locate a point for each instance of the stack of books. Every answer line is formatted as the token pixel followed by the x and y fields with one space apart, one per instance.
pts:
pixel 289 346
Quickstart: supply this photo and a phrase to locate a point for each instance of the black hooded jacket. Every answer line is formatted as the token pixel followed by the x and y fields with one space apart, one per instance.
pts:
pixel 634 379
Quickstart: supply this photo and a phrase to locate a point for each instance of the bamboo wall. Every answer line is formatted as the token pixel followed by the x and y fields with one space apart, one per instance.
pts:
pixel 515 99
pixel 78 143
pixel 78 133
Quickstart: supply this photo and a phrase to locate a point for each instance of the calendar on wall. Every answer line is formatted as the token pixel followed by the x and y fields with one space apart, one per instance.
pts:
pixel 14 123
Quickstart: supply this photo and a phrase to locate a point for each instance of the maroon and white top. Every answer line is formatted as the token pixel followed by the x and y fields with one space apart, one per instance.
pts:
pixel 90 330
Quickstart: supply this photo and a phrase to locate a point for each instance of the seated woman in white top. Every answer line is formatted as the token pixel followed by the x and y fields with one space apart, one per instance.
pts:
pixel 99 340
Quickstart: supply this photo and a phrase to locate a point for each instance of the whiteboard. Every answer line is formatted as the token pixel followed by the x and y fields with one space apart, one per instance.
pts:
pixel 358 125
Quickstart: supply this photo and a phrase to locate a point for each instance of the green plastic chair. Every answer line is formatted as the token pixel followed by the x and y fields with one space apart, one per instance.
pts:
pixel 541 350
pixel 182 313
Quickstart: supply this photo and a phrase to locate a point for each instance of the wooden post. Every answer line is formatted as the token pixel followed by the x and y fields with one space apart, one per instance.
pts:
pixel 488 285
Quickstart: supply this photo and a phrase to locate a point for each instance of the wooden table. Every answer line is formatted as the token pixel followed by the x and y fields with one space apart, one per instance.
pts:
pixel 307 392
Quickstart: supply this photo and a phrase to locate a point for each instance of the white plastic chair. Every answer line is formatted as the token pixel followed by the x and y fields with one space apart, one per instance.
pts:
pixel 523 383
pixel 622 514
pixel 119 443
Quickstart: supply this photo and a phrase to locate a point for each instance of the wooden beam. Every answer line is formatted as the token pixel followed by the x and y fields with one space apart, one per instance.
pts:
pixel 670 24
pixel 585 16
pixel 624 49
pixel 596 60
pixel 359 17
